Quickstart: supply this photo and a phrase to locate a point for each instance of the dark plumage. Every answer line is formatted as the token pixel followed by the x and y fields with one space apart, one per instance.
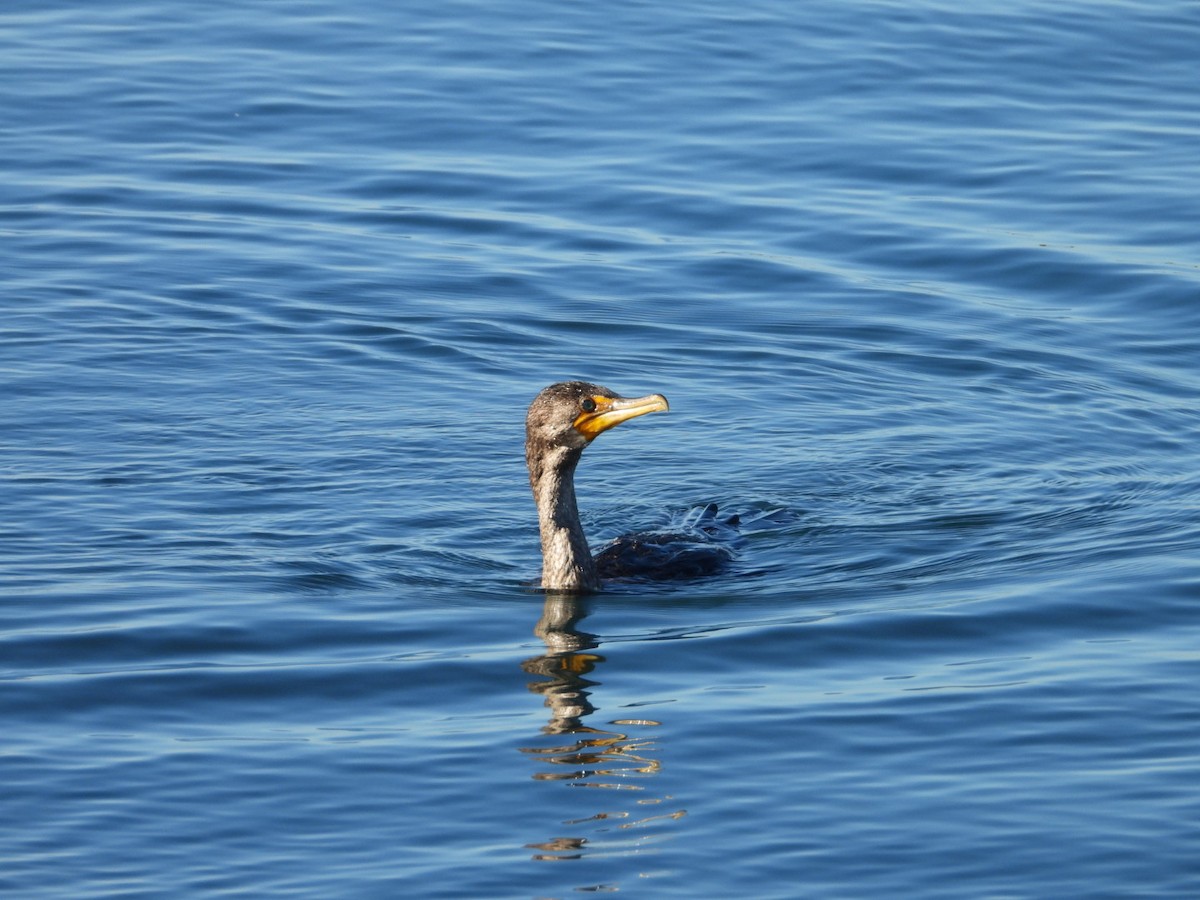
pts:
pixel 691 545
pixel 562 420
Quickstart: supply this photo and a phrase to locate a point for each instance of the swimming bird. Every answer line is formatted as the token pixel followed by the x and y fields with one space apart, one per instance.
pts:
pixel 562 420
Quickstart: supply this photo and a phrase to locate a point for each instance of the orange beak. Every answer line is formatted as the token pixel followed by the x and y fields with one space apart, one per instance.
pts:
pixel 612 411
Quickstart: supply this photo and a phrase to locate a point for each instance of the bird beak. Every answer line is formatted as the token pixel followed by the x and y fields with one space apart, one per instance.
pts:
pixel 612 411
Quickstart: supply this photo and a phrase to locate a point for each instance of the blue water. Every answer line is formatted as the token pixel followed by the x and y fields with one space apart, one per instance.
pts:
pixel 921 281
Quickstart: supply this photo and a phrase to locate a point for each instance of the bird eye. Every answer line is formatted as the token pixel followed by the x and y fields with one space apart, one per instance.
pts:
pixel 588 405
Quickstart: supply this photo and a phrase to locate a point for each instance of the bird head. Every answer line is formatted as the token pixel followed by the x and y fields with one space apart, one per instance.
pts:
pixel 572 413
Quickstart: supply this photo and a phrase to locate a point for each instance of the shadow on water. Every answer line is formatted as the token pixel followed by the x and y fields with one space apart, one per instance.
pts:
pixel 584 756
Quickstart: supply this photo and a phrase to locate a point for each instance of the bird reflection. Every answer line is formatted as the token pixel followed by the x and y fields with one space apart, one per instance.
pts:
pixel 565 665
pixel 591 757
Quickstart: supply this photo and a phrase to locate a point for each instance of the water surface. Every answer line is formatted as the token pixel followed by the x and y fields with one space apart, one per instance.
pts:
pixel 921 283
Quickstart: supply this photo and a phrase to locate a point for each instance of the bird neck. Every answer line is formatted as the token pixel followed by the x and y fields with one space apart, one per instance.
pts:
pixel 566 560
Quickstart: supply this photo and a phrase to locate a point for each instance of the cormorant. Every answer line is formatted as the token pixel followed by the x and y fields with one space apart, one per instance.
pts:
pixel 563 419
